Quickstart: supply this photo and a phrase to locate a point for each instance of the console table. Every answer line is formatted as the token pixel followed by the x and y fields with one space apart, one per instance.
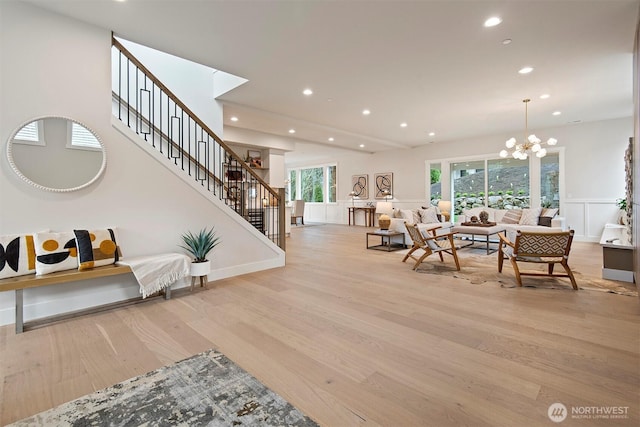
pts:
pixel 617 253
pixel 369 211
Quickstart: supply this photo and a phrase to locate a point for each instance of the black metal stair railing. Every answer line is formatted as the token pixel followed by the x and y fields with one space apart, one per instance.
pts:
pixel 149 108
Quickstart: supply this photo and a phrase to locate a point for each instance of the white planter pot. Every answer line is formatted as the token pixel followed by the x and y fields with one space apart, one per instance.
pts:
pixel 200 268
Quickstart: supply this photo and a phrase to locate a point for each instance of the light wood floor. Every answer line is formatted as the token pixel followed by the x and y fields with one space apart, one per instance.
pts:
pixel 353 336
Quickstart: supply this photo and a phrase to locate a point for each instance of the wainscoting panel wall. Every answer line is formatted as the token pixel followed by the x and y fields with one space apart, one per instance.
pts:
pixel 588 217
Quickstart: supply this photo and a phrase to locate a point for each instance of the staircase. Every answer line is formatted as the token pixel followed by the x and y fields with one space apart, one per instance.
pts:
pixel 154 113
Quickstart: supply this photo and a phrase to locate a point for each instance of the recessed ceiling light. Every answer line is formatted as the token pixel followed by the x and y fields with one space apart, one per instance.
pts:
pixel 331 139
pixel 493 21
pixel 525 70
pixel 366 112
pixel 545 96
pixel 506 41
pixel 432 133
pixel 361 145
pixel 556 113
pixel 234 119
pixel 292 131
pixel 403 125
pixel 307 92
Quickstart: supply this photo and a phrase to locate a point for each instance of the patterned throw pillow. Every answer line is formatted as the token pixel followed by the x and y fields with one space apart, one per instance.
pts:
pixel 530 216
pixel 96 248
pixel 17 255
pixel 55 252
pixel 512 216
pixel 428 216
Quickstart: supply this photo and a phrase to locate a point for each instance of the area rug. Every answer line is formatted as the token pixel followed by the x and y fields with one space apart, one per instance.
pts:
pixel 483 269
pixel 204 390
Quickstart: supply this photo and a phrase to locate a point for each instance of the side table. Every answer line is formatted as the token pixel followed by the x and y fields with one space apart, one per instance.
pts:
pixel 385 240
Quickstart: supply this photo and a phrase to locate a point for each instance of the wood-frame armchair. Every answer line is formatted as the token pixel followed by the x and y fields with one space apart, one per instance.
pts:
pixel 540 248
pixel 430 245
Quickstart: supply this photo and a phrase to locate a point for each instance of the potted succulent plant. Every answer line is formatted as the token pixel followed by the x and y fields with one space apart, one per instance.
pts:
pixel 199 245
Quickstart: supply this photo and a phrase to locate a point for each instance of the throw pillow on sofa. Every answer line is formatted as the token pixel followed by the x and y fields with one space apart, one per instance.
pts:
pixel 530 216
pixel 512 216
pixel 546 216
pixel 410 216
pixel 428 216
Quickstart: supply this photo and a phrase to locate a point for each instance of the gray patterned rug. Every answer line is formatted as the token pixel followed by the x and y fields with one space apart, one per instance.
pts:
pixel 204 390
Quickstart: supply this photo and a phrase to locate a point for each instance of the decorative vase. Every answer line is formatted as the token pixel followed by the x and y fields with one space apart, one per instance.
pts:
pixel 484 217
pixel 622 217
pixel 384 221
pixel 200 268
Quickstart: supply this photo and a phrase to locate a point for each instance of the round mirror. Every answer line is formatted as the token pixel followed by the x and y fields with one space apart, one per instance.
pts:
pixel 56 154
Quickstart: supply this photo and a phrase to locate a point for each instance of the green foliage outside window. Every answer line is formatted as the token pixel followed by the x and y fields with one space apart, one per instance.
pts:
pixel 311 184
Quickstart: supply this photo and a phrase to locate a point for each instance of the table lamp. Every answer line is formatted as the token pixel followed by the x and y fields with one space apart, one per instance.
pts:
pixel 445 209
pixel 385 209
pixel 353 197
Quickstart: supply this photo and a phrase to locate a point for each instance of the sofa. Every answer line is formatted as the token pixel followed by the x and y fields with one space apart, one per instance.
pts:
pixel 530 219
pixel 424 218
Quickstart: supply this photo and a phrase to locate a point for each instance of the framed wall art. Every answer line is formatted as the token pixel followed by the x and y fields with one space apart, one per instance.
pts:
pixel 382 182
pixel 254 158
pixel 360 186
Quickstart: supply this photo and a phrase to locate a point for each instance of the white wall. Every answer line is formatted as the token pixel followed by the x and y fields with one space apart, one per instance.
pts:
pixel 191 82
pixel 53 65
pixel 594 171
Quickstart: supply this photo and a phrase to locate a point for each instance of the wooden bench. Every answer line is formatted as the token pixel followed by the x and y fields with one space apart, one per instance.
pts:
pixel 20 283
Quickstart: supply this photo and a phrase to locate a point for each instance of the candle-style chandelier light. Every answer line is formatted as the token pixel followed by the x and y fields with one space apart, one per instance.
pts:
pixel 532 144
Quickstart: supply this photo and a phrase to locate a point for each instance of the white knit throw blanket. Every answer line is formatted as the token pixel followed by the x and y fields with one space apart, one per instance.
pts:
pixel 157 272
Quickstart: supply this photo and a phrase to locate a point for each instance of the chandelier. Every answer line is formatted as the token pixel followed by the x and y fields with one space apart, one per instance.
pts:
pixel 531 144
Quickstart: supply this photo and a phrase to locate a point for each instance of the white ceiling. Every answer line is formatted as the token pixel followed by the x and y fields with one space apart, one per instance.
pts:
pixel 431 64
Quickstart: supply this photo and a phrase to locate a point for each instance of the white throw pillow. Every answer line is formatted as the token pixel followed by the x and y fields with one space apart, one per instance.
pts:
pixel 530 216
pixel 407 215
pixel 428 216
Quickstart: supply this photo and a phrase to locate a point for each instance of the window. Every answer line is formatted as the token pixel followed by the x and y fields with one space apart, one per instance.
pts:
pixel 293 184
pixel 435 183
pixel 314 184
pixel 331 182
pixel 550 181
pixel 499 183
pixel 467 180
pixel 508 184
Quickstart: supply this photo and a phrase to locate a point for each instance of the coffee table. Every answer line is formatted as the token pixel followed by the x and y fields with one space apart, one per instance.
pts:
pixel 385 237
pixel 479 230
